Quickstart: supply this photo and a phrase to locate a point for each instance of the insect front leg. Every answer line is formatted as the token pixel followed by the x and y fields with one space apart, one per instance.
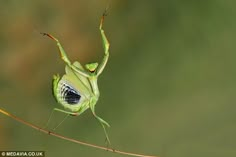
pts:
pixel 65 58
pixel 106 46
pixel 62 51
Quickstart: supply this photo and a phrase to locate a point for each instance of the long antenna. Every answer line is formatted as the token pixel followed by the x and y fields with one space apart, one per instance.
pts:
pixel 70 139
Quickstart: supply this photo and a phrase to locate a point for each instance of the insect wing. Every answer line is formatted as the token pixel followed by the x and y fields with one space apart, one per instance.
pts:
pixel 79 83
pixel 83 79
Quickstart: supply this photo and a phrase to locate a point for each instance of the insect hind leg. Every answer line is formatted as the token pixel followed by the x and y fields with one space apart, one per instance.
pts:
pixel 50 117
pixel 60 110
pixel 102 122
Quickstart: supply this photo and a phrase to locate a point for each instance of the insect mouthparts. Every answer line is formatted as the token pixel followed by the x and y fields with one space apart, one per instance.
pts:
pixel 92 71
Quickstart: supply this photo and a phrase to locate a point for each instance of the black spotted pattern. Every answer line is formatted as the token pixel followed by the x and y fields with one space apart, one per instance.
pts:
pixel 69 94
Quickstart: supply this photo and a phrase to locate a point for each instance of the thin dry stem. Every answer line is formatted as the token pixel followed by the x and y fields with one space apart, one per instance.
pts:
pixel 70 139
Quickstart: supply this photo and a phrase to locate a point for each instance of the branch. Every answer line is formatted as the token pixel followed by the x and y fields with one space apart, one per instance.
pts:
pixel 70 139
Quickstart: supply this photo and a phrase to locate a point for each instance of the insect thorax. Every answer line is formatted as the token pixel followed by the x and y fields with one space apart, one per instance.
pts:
pixel 94 85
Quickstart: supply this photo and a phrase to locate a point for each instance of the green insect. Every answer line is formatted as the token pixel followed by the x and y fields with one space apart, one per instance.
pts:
pixel 77 90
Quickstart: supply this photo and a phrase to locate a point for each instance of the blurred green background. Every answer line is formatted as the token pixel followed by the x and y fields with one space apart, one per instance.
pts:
pixel 168 88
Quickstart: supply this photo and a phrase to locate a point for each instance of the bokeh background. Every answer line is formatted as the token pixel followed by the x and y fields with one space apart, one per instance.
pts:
pixel 168 89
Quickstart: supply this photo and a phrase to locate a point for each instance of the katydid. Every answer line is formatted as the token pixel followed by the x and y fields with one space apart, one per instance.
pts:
pixel 77 90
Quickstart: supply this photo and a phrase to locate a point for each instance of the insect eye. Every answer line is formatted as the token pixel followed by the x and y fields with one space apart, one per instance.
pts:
pixel 69 94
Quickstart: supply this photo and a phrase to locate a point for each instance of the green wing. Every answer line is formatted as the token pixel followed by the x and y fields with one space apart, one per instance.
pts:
pixel 79 81
pixel 83 79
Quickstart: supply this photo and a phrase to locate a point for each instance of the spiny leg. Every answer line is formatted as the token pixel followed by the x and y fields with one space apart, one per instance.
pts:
pixel 106 45
pixel 64 56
